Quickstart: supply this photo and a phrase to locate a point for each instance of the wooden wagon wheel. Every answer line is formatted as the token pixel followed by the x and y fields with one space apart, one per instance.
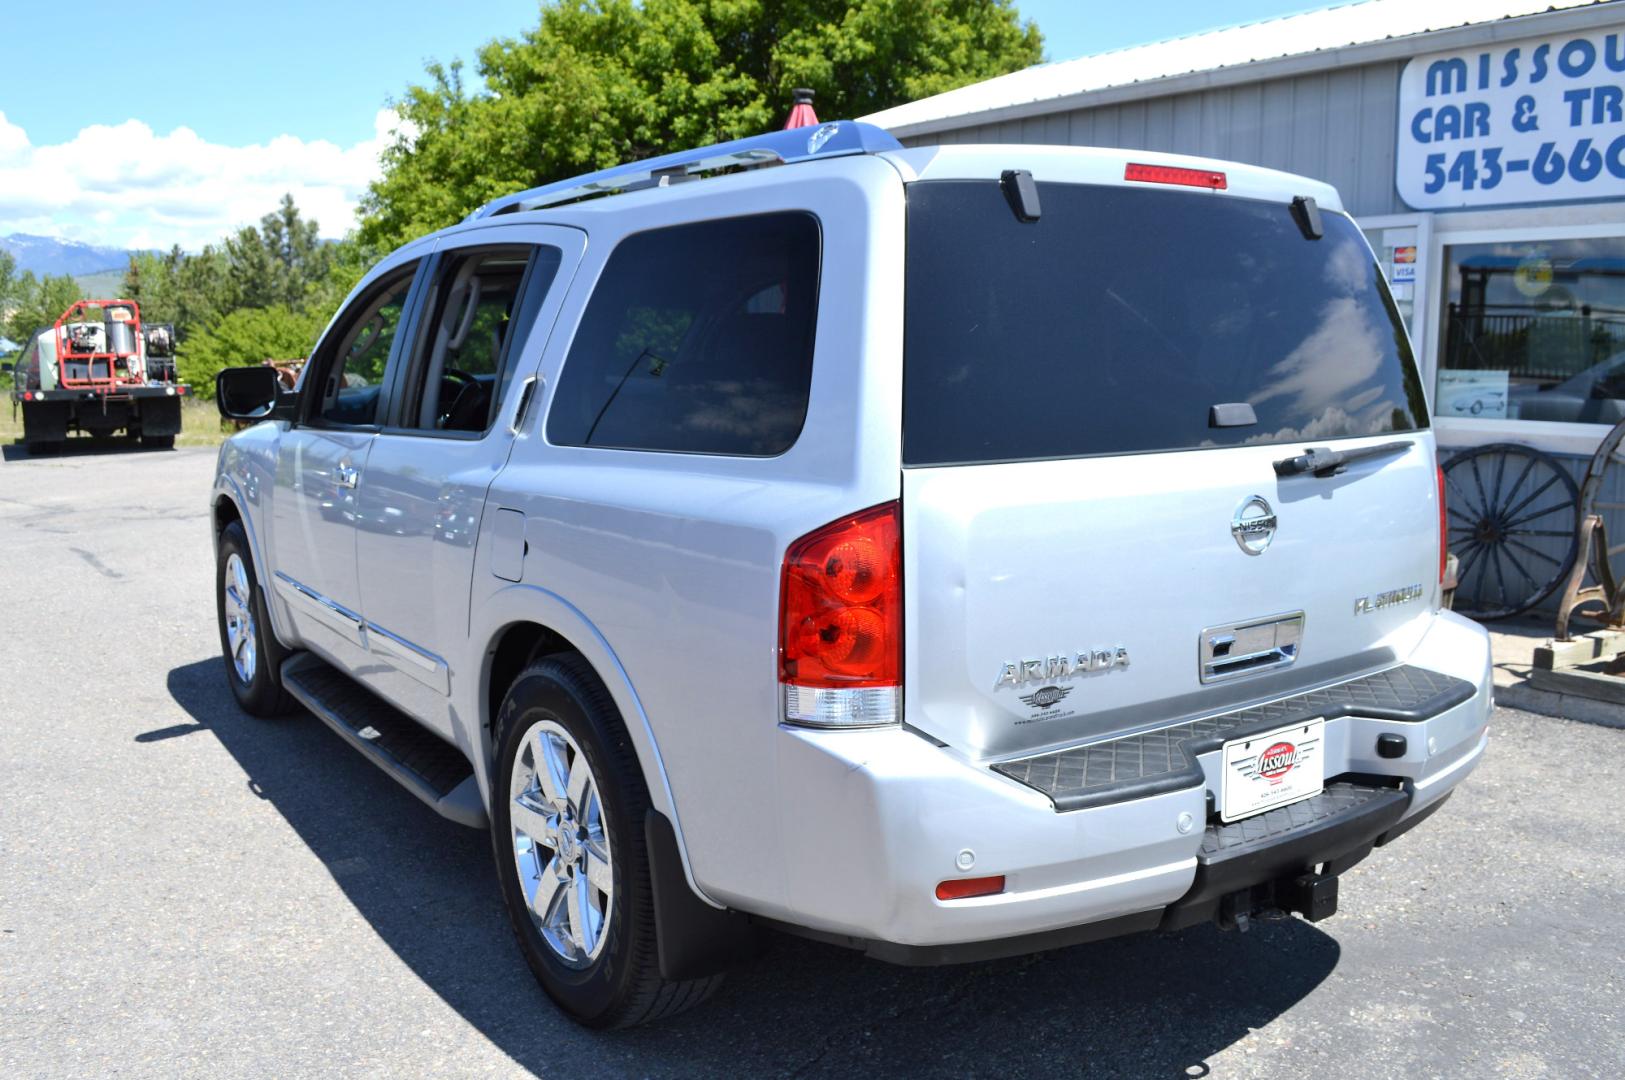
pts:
pixel 1512 512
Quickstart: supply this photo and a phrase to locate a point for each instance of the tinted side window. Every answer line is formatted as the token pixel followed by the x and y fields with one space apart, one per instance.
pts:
pixel 473 334
pixel 697 339
pixel 355 355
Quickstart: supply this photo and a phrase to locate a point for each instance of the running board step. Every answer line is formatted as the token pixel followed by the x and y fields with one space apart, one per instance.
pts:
pixel 423 763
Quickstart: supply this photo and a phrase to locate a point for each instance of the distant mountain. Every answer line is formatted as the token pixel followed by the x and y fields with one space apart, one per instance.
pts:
pixel 49 255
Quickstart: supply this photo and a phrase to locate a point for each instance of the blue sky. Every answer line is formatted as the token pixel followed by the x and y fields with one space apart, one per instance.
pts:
pixel 213 108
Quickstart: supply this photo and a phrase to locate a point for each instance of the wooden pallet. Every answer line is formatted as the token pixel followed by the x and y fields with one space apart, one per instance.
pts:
pixel 1579 666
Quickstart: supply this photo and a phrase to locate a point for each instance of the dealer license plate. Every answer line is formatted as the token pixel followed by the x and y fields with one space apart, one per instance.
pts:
pixel 1262 772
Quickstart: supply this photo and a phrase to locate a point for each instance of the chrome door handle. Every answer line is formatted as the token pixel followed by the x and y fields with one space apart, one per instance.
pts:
pixel 526 391
pixel 347 476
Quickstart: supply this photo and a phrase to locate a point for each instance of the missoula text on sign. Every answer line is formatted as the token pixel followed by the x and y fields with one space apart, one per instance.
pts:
pixel 1536 121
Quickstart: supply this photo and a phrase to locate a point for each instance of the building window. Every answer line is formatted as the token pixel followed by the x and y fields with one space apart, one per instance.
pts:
pixel 1534 330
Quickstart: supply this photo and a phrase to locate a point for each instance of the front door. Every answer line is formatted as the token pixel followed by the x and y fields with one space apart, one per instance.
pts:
pixel 488 302
pixel 319 464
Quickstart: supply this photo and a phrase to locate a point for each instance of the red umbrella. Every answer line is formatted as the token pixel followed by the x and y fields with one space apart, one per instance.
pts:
pixel 801 110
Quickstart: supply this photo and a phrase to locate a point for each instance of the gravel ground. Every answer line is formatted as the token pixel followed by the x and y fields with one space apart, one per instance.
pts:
pixel 187 891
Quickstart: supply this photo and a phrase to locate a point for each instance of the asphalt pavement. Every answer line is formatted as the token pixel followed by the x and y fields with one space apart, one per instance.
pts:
pixel 185 890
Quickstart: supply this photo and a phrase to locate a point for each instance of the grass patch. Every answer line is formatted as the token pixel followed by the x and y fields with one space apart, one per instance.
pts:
pixel 200 424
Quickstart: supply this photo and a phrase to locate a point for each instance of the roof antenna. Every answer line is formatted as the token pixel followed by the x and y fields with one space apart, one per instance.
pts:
pixel 801 109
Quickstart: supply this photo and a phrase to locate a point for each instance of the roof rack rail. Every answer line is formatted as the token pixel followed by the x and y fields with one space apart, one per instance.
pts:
pixel 836 139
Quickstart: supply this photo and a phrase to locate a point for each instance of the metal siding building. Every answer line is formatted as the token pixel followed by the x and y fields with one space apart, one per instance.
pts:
pixel 1508 297
pixel 1281 123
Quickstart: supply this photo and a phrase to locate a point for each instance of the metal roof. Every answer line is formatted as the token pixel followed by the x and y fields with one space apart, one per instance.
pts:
pixel 1073 83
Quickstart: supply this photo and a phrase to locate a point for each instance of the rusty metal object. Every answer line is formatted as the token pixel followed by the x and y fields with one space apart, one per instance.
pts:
pixel 287 371
pixel 1596 554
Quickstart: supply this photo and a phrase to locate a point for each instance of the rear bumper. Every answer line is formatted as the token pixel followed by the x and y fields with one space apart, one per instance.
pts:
pixel 876 819
pixel 121 392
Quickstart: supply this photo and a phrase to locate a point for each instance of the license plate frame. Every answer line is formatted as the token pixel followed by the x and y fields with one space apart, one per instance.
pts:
pixel 1246 791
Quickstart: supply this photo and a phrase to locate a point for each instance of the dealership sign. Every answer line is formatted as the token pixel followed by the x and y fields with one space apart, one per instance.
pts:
pixel 1538 121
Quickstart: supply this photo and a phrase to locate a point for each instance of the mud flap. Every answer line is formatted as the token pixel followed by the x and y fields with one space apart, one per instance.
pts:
pixel 46 421
pixel 693 938
pixel 159 416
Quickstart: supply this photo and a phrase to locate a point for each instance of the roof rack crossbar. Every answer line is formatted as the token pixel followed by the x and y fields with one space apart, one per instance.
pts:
pixel 836 139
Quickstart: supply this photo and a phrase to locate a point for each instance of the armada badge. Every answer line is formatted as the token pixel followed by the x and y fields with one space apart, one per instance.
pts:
pixel 1050 669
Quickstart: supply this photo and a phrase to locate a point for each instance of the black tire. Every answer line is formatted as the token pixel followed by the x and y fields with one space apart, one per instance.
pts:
pixel 158 442
pixel 622 987
pixel 262 694
pixel 44 448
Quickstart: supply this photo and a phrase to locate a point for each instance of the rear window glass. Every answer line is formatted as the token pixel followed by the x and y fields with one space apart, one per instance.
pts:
pixel 698 339
pixel 1117 320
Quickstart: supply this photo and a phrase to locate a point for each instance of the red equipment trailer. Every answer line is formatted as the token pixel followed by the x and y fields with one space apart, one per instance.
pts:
pixel 99 370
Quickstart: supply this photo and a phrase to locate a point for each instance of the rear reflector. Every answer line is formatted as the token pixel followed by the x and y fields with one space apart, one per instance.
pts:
pixel 963 888
pixel 1167 174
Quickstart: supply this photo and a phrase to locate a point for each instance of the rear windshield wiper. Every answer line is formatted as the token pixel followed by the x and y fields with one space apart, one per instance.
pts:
pixel 1323 461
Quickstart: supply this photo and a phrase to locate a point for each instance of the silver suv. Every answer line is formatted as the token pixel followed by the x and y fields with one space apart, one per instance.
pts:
pixel 948 553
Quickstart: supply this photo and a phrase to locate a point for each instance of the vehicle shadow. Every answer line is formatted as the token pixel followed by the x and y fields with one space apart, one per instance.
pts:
pixel 77 446
pixel 1150 1005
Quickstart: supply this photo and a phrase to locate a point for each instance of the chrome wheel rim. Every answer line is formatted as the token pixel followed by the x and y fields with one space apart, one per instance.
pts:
pixel 240 640
pixel 561 844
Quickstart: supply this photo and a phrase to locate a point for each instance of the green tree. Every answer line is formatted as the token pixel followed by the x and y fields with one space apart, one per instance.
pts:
pixel 348 262
pixel 8 278
pixel 247 336
pixel 604 81
pixel 8 285
pixel 191 291
pixel 279 262
pixel 39 303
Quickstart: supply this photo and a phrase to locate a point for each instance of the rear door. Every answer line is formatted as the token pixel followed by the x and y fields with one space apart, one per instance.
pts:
pixel 1095 534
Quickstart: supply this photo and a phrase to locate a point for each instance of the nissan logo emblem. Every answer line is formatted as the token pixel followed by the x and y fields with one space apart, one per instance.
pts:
pixel 1253 525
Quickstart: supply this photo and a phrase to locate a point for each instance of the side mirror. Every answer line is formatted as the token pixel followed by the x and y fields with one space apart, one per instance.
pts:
pixel 251 393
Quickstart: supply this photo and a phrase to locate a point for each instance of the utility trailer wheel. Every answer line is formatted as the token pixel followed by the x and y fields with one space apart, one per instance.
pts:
pixel 158 442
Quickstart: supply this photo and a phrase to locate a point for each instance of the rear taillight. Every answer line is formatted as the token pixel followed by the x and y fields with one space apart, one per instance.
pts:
pixel 841 623
pixel 1444 532
pixel 1168 174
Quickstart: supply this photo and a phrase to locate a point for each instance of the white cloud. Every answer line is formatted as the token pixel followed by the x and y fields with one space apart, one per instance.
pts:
pixel 127 186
